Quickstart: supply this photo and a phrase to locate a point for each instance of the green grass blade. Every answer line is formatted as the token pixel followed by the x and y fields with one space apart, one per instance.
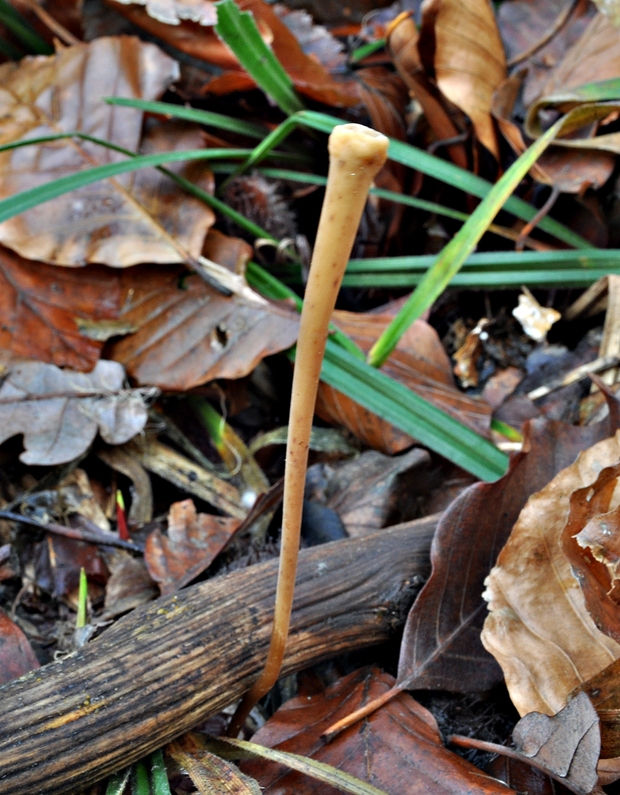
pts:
pixel 13 205
pixel 472 279
pixel 421 161
pixel 117 782
pixel 206 117
pixel 23 30
pixel 412 414
pixel 454 254
pixel 140 780
pixel 159 775
pixel 320 771
pixel 238 30
pixel 599 91
pixel 367 49
pixel 346 371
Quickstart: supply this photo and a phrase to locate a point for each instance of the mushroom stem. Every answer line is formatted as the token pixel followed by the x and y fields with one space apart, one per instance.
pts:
pixel 356 155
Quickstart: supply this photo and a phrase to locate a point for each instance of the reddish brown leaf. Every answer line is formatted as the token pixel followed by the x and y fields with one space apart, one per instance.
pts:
pixel 16 655
pixel 308 75
pixel 193 543
pixel 134 217
pixel 188 333
pixel 420 363
pixel 41 306
pixel 604 693
pixel 129 584
pixel 441 647
pixel 397 749
pixel 590 541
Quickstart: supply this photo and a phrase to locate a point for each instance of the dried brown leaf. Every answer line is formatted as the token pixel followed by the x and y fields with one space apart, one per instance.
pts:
pixel 371 489
pixel 60 411
pixel 397 749
pixel 210 774
pixel 590 543
pixel 567 744
pixel 420 363
pixel 538 627
pixel 403 40
pixel 441 647
pixel 130 219
pixel 129 584
pixel 16 655
pixel 468 60
pixel 42 307
pixel 189 334
pixel 193 542
pixel 571 171
pixel 523 23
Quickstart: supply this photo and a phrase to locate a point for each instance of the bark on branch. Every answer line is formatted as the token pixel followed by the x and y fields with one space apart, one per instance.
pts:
pixel 169 665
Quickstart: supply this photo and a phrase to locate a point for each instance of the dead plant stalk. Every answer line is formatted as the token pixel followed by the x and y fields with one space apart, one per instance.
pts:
pixel 356 154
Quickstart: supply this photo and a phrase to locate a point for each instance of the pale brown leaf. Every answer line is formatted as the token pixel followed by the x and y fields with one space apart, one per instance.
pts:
pixel 469 59
pixel 130 219
pixel 538 627
pixel 60 411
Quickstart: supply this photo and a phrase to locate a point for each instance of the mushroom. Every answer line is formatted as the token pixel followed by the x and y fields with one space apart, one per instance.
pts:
pixel 356 155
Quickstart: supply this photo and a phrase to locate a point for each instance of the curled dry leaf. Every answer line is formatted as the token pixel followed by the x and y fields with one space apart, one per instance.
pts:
pixel 441 647
pixel 60 411
pixel 122 221
pixel 590 542
pixel 193 542
pixel 397 749
pixel 468 59
pixel 538 627
pixel 189 334
pixel 570 171
pixel 16 655
pixel 403 39
pixel 420 363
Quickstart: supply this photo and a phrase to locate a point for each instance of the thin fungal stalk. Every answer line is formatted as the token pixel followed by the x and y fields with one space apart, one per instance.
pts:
pixel 356 155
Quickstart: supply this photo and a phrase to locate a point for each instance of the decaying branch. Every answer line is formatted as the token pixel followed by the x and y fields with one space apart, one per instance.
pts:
pixel 169 665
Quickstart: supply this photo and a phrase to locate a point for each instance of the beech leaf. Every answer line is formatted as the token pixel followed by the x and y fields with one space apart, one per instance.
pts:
pixel 419 362
pixel 130 219
pixel 441 647
pixel 538 627
pixel 192 544
pixel 397 749
pixel 469 59
pixel 16 655
pixel 567 744
pixel 60 411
